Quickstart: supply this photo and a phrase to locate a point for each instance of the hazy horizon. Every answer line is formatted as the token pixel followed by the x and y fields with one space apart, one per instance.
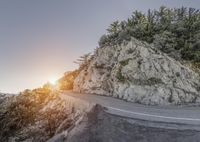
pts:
pixel 41 39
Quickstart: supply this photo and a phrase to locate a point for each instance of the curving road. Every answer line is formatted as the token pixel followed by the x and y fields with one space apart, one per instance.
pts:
pixel 189 116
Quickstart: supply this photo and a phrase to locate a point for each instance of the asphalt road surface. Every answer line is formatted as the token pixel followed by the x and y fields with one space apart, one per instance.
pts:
pixel 189 116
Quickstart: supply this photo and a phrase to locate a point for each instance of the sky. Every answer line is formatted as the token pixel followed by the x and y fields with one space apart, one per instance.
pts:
pixel 40 39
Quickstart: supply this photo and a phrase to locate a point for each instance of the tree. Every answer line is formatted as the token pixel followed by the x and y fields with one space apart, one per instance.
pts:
pixel 166 42
pixel 114 28
pixel 67 81
pixel 83 61
pixel 171 30
pixel 103 40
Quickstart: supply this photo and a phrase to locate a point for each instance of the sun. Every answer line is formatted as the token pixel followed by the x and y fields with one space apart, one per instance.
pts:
pixel 53 80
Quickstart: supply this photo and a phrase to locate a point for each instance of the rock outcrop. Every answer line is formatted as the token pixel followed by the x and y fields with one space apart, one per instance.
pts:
pixel 137 72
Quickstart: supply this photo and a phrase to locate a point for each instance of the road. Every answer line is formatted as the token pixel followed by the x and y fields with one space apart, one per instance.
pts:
pixel 167 114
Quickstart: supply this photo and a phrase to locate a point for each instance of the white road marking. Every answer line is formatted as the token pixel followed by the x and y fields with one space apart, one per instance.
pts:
pixel 151 115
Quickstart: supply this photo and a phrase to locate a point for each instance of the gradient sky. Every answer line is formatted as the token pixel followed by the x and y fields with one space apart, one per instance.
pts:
pixel 40 39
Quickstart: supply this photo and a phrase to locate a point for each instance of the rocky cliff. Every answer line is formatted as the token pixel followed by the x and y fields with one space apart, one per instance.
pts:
pixel 137 72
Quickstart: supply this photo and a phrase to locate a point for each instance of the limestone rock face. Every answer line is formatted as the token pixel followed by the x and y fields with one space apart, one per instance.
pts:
pixel 137 72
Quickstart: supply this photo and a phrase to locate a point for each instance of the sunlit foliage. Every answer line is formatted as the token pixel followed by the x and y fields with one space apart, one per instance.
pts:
pixel 28 109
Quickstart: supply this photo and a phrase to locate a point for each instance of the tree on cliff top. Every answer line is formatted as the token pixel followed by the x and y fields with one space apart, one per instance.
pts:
pixel 171 30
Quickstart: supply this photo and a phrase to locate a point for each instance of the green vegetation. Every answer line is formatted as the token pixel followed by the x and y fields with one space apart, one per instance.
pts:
pixel 125 62
pixel 150 81
pixel 119 75
pixel 67 81
pixel 154 81
pixel 83 61
pixel 173 31
pixel 30 112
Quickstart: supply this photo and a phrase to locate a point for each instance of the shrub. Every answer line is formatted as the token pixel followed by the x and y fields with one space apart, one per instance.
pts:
pixel 196 46
pixel 124 62
pixel 165 41
pixel 31 114
pixel 67 81
pixel 123 35
pixel 173 31
pixel 103 40
pixel 52 118
pixel 154 81
pixel 130 51
pixel 119 75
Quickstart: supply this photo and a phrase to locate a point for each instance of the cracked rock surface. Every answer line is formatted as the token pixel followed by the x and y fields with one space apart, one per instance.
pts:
pixel 137 72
